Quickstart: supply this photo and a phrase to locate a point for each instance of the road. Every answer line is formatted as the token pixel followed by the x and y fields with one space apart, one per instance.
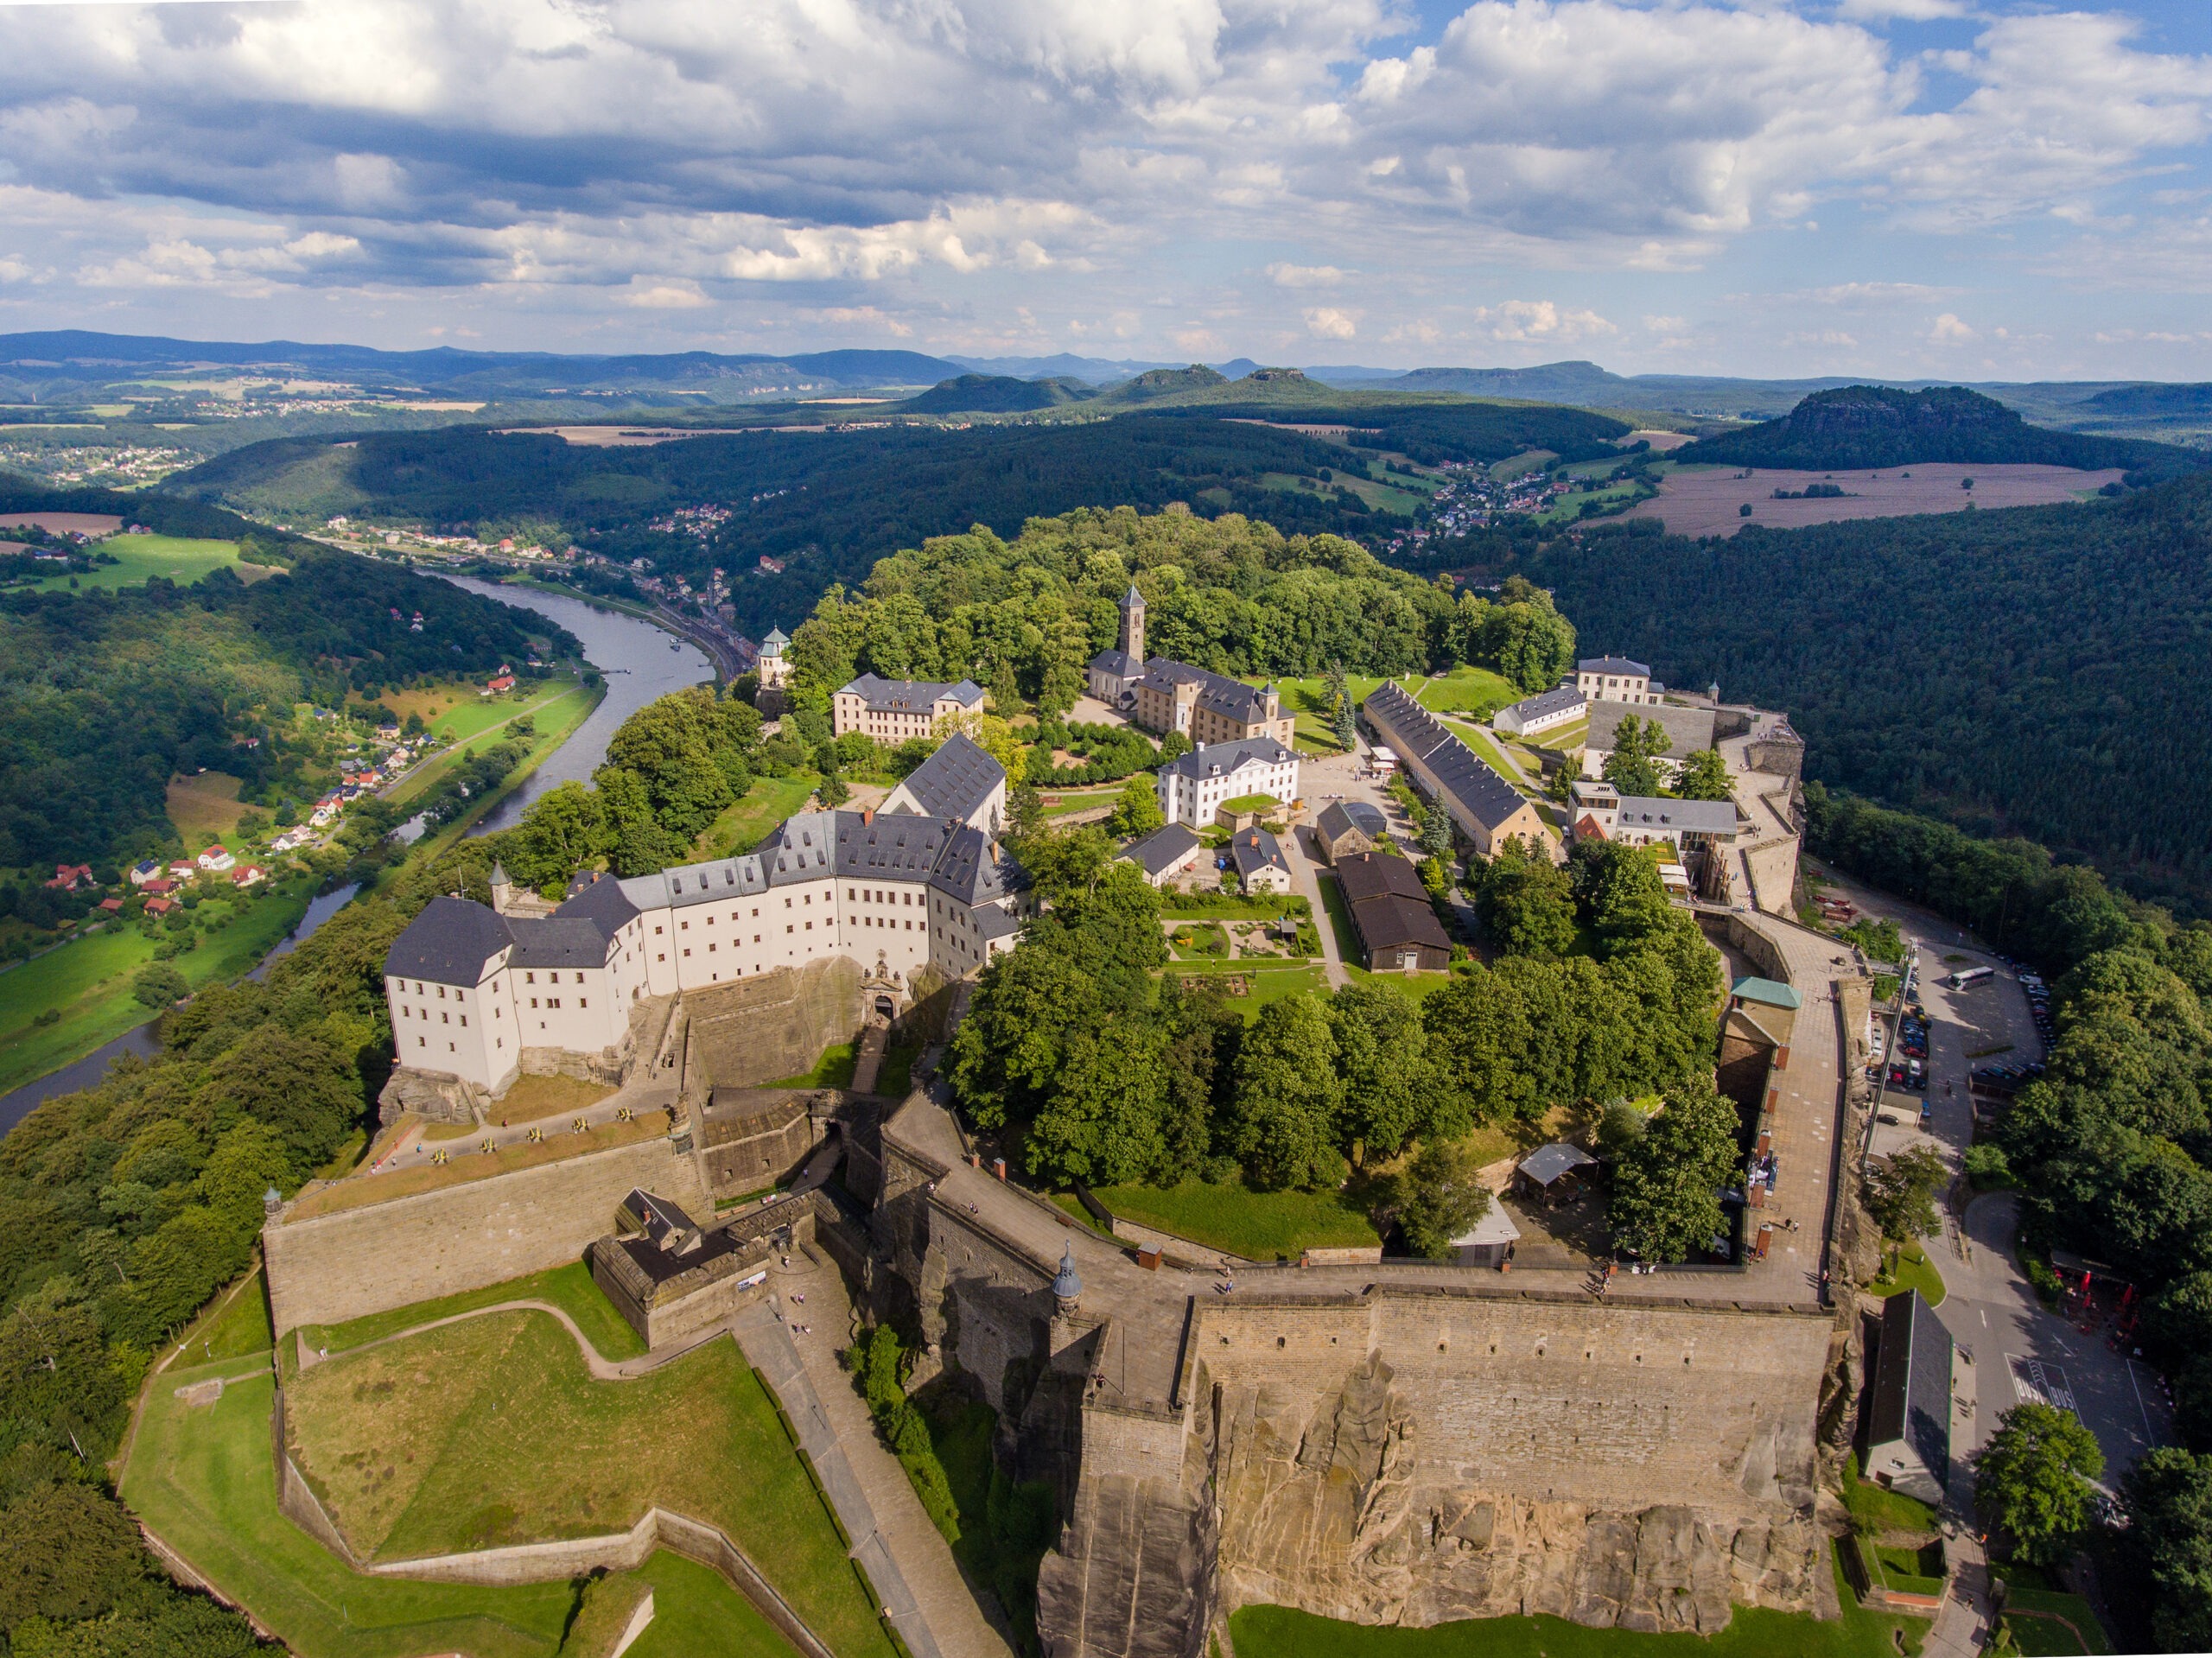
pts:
pixel 2021 1350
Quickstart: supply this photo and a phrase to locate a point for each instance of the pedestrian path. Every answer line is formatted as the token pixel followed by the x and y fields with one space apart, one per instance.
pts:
pixel 906 1557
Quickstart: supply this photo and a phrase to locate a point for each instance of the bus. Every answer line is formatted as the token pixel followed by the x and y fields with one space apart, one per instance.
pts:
pixel 1971 975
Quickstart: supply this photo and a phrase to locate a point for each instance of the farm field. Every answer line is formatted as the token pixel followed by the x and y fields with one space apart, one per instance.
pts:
pixel 513 1442
pixel 88 982
pixel 139 557
pixel 205 808
pixel 1708 501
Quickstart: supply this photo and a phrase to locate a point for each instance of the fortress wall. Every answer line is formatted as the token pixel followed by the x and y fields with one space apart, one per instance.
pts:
pixel 761 1030
pixel 1604 1404
pixel 991 1306
pixel 332 1268
pixel 1122 1444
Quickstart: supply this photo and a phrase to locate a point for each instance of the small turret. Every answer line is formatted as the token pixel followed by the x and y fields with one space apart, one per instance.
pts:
pixel 503 890
pixel 1067 1284
pixel 272 1201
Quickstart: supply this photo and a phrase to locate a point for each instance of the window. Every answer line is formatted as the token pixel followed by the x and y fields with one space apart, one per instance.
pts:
pixel 581 1002
pixel 553 1002
pixel 442 993
pixel 580 978
pixel 787 926
pixel 421 1042
pixel 662 956
pixel 656 932
pixel 687 949
pixel 445 1019
pixel 530 978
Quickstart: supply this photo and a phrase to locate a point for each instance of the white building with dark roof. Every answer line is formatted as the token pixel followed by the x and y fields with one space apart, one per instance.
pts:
pixel 1616 679
pixel 1192 787
pixel 1165 853
pixel 1602 812
pixel 1909 1406
pixel 891 710
pixel 471 986
pixel 1561 706
pixel 961 782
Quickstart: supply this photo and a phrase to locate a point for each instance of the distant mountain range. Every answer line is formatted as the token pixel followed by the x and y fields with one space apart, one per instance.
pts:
pixel 69 366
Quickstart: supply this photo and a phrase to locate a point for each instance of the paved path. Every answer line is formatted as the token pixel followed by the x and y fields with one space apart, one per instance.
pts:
pixel 904 1555
pixel 1306 879
pixel 602 1369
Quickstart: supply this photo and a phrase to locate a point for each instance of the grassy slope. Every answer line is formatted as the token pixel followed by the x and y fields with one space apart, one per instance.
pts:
pixel 141 556
pixel 559 707
pixel 743 826
pixel 202 1478
pixel 514 1442
pixel 205 807
pixel 698 1615
pixel 1915 1271
pixel 1278 1632
pixel 1259 1225
pixel 89 982
pixel 570 1288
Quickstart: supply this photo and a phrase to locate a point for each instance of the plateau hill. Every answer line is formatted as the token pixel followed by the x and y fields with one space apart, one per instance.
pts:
pixel 1856 427
pixel 995 394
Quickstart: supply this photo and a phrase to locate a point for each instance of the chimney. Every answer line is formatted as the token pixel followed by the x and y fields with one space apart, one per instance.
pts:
pixel 868 814
pixel 998 1167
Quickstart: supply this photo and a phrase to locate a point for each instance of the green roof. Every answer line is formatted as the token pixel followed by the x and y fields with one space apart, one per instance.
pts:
pixel 1768 991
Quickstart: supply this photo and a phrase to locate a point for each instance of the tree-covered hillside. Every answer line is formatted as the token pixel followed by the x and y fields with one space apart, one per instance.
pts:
pixel 2039 671
pixel 995 394
pixel 1857 427
pixel 107 694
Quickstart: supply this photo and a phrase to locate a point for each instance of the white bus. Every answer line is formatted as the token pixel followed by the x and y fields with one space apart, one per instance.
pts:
pixel 1968 975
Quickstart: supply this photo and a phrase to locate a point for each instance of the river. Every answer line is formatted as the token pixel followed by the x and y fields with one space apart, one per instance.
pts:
pixel 638 661
pixel 639 666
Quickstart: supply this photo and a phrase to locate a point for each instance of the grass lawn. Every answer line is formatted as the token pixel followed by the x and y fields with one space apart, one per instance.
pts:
pixel 1754 1632
pixel 1266 985
pixel 557 713
pixel 1517 465
pixel 570 1288
pixel 1476 692
pixel 1194 940
pixel 89 982
pixel 1562 739
pixel 237 1328
pixel 475 713
pixel 138 557
pixel 203 1478
pixel 1258 1225
pixel 2038 1612
pixel 743 826
pixel 533 1098
pixel 1492 754
pixel 1885 1509
pixel 205 808
pixel 696 1613
pixel 1912 1271
pixel 1419 986
pixel 832 1069
pixel 1229 906
pixel 511 1441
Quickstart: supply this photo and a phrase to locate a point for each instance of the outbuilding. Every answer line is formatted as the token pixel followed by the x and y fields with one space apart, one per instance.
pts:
pixel 1346 828
pixel 1909 1421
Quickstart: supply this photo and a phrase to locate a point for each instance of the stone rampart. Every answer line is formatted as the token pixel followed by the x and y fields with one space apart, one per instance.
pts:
pixel 761 1029
pixel 327 1268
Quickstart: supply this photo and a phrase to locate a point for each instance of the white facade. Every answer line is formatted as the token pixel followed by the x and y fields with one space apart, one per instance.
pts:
pixel 1616 679
pixel 1544 713
pixel 1192 789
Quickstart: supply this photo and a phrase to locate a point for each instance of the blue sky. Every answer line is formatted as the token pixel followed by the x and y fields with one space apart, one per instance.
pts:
pixel 1977 188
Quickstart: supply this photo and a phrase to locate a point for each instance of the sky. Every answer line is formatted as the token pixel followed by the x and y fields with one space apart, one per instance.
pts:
pixel 1989 189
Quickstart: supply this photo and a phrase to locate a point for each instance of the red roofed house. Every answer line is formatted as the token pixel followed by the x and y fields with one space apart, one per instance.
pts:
pixel 158 888
pixel 66 875
pixel 183 870
pixel 215 860
pixel 247 874
pixel 112 904
pixel 160 906
pixel 498 683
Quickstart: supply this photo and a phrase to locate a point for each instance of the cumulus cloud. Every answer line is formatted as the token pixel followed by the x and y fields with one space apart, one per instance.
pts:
pixel 1948 330
pixel 790 156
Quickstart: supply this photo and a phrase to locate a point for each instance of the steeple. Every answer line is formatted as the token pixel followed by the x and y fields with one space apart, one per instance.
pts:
pixel 503 890
pixel 1067 1285
pixel 1132 624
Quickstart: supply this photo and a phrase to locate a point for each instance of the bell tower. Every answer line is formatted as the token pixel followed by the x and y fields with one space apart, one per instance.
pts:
pixel 1133 625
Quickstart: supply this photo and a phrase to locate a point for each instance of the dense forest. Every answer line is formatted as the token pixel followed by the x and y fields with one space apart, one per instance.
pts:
pixel 2039 670
pixel 1024 617
pixel 1857 427
pixel 2111 1149
pixel 107 693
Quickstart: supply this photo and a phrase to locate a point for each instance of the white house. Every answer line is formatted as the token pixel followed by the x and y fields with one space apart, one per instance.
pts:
pixel 1616 679
pixel 1603 812
pixel 1192 787
pixel 1561 706
pixel 960 782
pixel 891 710
pixel 215 860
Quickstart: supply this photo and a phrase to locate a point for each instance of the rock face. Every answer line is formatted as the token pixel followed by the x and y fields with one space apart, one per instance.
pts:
pixel 1331 1506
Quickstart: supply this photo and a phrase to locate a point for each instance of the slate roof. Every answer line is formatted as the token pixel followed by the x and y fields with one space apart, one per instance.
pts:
pixel 1912 1383
pixel 599 899
pixel 1688 729
pixel 1221 759
pixel 1231 698
pixel 976 869
pixel 698 883
pixel 1341 816
pixel 553 940
pixel 1393 922
pixel 1118 662
pixel 1254 849
pixel 1376 875
pixel 993 923
pixel 909 696
pixel 1418 736
pixel 1556 700
pixel 449 941
pixel 955 781
pixel 897 847
pixel 800 849
pixel 1613 665
pixel 1692 817
pixel 1162 849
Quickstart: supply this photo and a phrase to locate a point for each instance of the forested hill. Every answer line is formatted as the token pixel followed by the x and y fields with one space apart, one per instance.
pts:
pixel 166 515
pixel 107 694
pixel 827 503
pixel 2041 670
pixel 1858 427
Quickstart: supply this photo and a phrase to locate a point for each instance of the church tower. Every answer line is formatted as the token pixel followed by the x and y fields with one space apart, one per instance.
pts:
pixel 1133 625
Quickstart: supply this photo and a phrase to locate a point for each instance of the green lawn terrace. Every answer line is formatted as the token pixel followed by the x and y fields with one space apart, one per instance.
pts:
pixel 1472 692
pixel 510 1439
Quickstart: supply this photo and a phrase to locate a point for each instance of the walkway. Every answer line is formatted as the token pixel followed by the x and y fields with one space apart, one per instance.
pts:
pixel 1306 879
pixel 904 1555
